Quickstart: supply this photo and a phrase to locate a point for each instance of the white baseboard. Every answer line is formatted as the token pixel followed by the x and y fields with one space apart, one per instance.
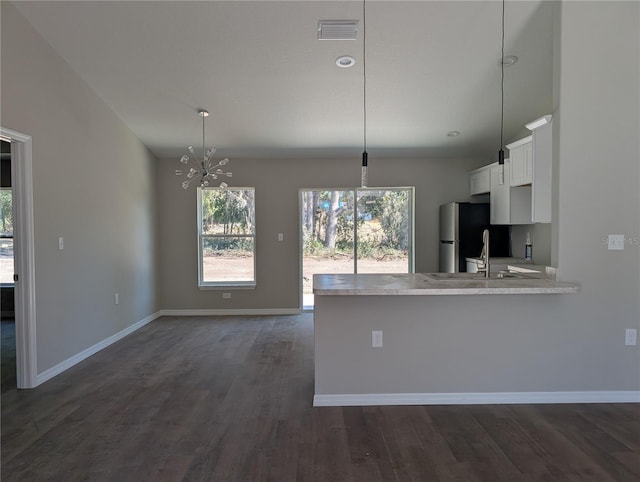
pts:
pixel 347 400
pixel 92 350
pixel 240 312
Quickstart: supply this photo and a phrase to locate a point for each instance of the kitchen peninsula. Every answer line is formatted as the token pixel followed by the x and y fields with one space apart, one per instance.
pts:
pixel 438 333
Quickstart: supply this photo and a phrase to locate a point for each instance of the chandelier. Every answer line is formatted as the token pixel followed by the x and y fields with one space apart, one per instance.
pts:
pixel 204 171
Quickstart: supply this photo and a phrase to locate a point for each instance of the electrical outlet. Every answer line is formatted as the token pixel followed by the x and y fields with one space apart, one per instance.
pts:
pixel 226 296
pixel 60 243
pixel 116 298
pixel 376 339
pixel 280 236
pixel 631 337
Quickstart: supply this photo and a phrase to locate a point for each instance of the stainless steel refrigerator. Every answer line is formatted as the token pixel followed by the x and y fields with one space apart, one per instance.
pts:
pixel 461 226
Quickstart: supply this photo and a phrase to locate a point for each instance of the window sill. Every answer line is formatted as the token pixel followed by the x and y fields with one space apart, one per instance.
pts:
pixel 229 286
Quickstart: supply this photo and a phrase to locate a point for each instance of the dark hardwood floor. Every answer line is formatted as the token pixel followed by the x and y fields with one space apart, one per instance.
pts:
pixel 229 399
pixel 7 355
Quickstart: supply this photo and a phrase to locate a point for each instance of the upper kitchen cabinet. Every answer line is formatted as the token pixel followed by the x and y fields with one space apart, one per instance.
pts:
pixel 524 196
pixel 542 144
pixel 531 160
pixel 480 181
pixel 521 155
pixel 508 204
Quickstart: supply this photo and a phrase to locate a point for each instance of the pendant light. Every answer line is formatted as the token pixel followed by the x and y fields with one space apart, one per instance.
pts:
pixel 502 60
pixel 365 161
pixel 204 171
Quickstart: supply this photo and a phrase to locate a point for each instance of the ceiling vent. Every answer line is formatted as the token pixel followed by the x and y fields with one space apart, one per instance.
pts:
pixel 337 29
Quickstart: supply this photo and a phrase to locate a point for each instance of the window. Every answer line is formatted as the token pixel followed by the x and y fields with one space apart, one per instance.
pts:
pixel 226 237
pixel 6 236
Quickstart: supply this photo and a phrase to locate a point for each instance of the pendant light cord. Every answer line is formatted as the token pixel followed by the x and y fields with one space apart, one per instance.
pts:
pixel 502 82
pixel 364 73
pixel 364 180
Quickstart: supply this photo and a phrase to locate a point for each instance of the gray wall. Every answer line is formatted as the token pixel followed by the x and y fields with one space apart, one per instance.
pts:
pixel 93 185
pixel 598 175
pixel 466 344
pixel 277 184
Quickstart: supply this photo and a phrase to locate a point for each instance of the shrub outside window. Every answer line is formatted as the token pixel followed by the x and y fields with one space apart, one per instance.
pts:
pixel 226 237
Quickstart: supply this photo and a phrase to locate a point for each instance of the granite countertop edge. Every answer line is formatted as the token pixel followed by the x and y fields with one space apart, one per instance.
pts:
pixel 421 284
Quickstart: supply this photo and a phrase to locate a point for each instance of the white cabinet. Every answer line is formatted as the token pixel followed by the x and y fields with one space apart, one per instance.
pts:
pixel 542 166
pixel 531 164
pixel 508 204
pixel 480 181
pixel 521 155
pixel 525 195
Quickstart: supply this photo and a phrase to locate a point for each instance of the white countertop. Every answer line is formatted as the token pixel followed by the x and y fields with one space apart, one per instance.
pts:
pixel 434 284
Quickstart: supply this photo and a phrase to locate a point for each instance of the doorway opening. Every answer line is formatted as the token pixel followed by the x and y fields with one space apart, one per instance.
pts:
pixel 357 230
pixel 23 257
pixel 7 300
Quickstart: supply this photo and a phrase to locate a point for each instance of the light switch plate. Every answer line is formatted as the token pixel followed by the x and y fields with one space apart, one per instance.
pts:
pixel 630 337
pixel 376 339
pixel 616 242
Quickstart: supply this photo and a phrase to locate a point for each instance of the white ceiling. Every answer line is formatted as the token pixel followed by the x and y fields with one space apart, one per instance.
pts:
pixel 274 90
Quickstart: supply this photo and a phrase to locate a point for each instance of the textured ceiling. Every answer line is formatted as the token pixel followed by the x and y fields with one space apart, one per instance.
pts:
pixel 274 90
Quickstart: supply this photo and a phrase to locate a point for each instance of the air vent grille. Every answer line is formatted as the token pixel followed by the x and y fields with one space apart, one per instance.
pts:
pixel 337 29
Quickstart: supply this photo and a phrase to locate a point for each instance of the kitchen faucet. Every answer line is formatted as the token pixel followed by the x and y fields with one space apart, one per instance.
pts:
pixel 485 254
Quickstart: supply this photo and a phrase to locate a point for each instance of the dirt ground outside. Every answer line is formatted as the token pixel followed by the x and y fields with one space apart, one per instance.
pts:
pixel 228 267
pixel 240 268
pixel 318 265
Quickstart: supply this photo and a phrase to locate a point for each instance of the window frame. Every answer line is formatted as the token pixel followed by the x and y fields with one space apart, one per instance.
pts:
pixel 221 285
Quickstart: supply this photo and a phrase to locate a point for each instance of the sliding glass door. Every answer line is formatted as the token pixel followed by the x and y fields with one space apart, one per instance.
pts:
pixel 363 230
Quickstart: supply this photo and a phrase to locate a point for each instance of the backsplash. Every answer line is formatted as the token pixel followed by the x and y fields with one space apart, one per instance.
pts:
pixel 540 241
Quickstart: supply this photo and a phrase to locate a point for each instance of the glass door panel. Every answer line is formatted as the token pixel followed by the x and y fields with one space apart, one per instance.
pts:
pixel 384 230
pixel 327 236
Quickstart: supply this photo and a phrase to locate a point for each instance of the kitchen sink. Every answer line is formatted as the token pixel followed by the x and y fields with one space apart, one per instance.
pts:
pixel 478 276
